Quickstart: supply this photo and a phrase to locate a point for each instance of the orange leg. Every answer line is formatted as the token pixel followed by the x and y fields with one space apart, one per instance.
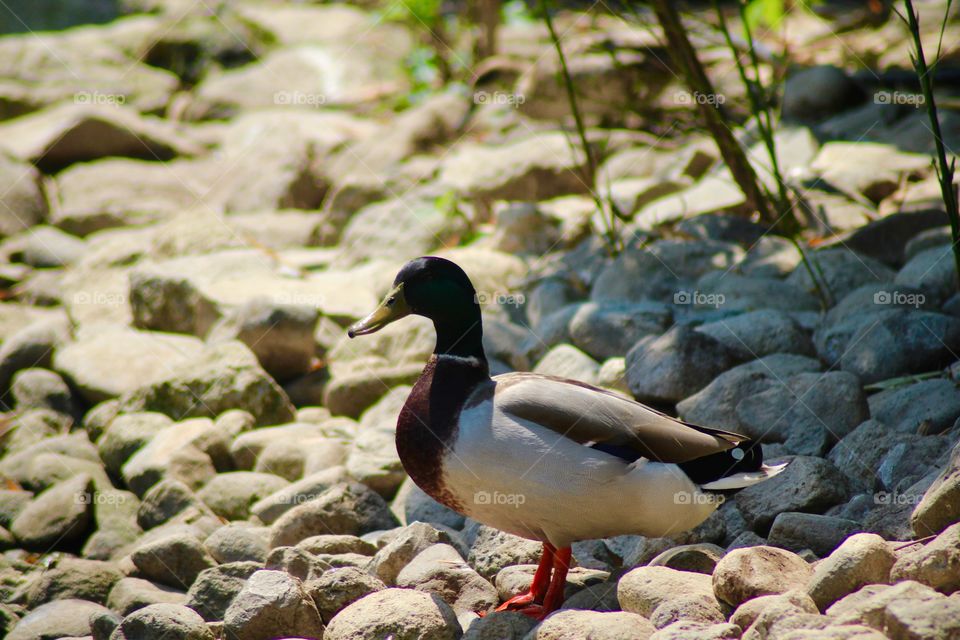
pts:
pixel 546 592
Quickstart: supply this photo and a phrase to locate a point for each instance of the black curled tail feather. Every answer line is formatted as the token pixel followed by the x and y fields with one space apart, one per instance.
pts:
pixel 746 457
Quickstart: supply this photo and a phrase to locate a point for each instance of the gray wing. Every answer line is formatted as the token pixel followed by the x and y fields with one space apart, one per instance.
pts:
pixel 588 415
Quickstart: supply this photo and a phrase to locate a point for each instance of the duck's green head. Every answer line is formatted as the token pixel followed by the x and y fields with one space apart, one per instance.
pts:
pixel 432 287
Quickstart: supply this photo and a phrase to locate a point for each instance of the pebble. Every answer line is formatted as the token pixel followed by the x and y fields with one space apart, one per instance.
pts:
pixel 162 621
pixel 404 613
pixel 57 619
pixel 612 625
pixel 335 589
pixel 271 604
pixel 746 573
pixel 862 559
pixel 643 589
pixel 215 588
pixel 174 560
pixel 130 594
pixel 935 564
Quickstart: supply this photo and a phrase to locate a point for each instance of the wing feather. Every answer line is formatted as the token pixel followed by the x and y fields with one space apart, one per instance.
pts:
pixel 587 414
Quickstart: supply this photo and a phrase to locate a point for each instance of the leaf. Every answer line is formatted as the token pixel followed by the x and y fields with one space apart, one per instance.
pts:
pixel 765 13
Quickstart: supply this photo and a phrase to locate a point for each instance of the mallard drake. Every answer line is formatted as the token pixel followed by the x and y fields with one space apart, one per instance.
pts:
pixel 542 457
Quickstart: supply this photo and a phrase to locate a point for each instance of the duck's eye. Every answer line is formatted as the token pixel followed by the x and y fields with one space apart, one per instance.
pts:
pixel 391 300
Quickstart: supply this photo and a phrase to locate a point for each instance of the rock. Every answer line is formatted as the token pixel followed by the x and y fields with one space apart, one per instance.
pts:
pixel 643 589
pixel 868 605
pixel 791 610
pixel 843 271
pixel 936 564
pixel 873 169
pixel 812 412
pixel 492 550
pixel 760 333
pixel 817 533
pixel 716 404
pixel 566 361
pixel 535 168
pixel 899 342
pixel 687 630
pixel 74 578
pixel 925 407
pixel 115 514
pixel 937 619
pixel 174 560
pixel 57 619
pixel 272 603
pixel 862 559
pixel 58 516
pixel 215 588
pixel 521 228
pixel 45 247
pixel 223 377
pixel 168 499
pixel 275 505
pixel 516 579
pixel 126 434
pixel 335 589
pixel 613 625
pixel 31 345
pixel 175 452
pixel 373 458
pixel 403 613
pixel 609 330
pixel 858 455
pixel 160 621
pixel 352 509
pixel 694 608
pixel 698 558
pixel 230 495
pixel 907 462
pixel 297 562
pixel 238 542
pixel 808 484
pixel 131 594
pixel 23 203
pixel 412 504
pixel 933 272
pixel 814 93
pixel 54 138
pixel 363 370
pixel 504 625
pixel 747 573
pixel 940 505
pixel 662 271
pixel 675 365
pixel 402 548
pixel 439 569
pixel 747 293
pixel 40 388
pixel 249 446
pixel 281 336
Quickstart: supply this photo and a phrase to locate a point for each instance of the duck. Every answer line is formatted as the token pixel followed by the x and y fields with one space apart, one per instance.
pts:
pixel 542 457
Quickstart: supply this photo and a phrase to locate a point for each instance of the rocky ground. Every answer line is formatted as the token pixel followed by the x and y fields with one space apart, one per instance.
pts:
pixel 194 204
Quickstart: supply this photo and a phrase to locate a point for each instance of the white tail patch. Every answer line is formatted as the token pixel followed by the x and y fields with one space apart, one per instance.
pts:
pixel 745 479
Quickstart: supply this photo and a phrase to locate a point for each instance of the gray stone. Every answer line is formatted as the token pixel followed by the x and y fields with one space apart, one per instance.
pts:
pixel 238 542
pixel 814 93
pixel 335 589
pixel 698 558
pixel 58 516
pixel 610 329
pixel 404 613
pixel 858 455
pixel 925 407
pixel 91 361
pixel 270 508
pixel 166 500
pixel 215 588
pixel 412 504
pixel 809 531
pixel 612 625
pixel 843 271
pixel 643 589
pixel 272 603
pixel 716 404
pixel 342 509
pixel 936 564
pixel 690 630
pixel 439 569
pixel 862 559
pixel 230 495
pixel 743 574
pixel 810 413
pixel 936 619
pixel 74 578
pixel 23 202
pixel 867 606
pixel 130 594
pixel 178 451
pixel 31 345
pixel 749 293
pixel 406 544
pixel 57 619
pixel 223 377
pixel 760 333
pixel 940 505
pixel 281 336
pixel 807 484
pixel 174 560
pixel 125 434
pixel 162 621
pixel 115 514
pixel 492 550
pixel 504 625
pixel 793 610
pixel 933 272
pixel 677 364
pixel 41 389
pixel 566 361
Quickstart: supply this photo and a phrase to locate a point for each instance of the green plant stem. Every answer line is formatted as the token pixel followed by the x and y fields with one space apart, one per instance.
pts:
pixel 608 213
pixel 945 169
